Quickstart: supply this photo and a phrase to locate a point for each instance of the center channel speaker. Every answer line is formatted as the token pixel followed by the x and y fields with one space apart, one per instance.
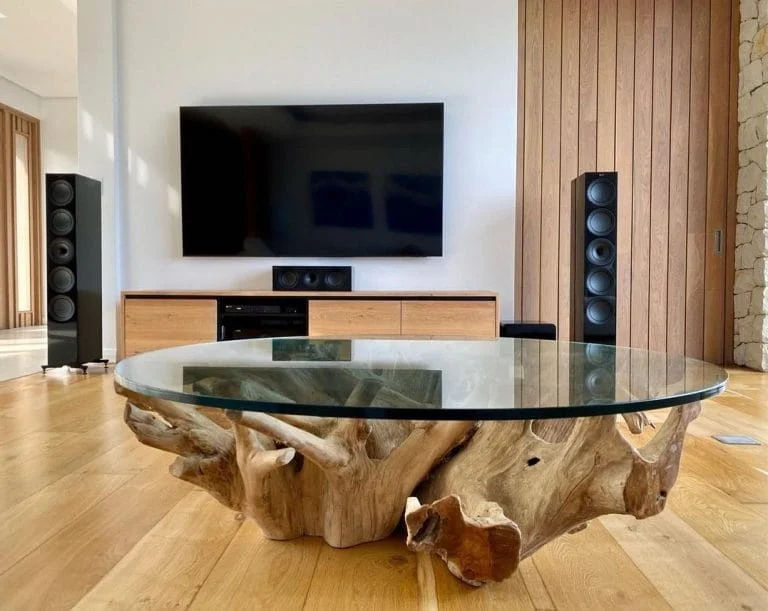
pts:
pixel 311 278
pixel 73 217
pixel 594 258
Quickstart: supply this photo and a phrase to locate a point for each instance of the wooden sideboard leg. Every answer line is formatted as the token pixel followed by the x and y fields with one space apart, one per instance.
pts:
pixel 510 479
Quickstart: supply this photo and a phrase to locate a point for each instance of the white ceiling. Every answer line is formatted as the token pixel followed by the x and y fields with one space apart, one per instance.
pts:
pixel 38 45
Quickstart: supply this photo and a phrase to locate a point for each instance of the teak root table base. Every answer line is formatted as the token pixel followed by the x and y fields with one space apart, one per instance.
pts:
pixel 482 496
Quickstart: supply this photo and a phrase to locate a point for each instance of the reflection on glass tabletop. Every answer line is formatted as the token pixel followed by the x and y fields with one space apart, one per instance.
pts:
pixel 502 379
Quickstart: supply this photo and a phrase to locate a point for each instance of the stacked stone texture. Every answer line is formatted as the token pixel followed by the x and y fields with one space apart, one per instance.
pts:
pixel 751 283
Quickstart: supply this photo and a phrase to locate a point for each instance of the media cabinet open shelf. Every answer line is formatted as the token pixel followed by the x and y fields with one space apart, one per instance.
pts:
pixel 151 320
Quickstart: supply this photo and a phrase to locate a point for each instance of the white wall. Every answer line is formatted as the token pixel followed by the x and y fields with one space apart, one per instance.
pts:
pixel 176 52
pixel 97 153
pixel 19 98
pixel 58 123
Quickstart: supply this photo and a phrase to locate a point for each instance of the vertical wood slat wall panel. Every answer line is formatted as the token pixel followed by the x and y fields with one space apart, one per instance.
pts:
pixel 520 174
pixel 641 173
pixel 606 84
pixel 569 152
pixel 588 86
pixel 644 87
pixel 625 118
pixel 678 175
pixel 550 162
pixel 697 182
pixel 660 175
pixel 532 134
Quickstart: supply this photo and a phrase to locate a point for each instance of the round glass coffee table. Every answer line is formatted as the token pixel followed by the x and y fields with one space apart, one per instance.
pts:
pixel 487 449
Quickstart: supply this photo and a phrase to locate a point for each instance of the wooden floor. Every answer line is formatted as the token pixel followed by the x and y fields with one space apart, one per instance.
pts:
pixel 90 519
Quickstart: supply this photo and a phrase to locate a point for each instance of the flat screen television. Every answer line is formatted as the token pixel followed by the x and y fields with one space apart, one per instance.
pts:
pixel 363 180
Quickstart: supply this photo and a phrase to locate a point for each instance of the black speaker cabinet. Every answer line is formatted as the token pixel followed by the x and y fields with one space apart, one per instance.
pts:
pixel 594 258
pixel 311 278
pixel 73 218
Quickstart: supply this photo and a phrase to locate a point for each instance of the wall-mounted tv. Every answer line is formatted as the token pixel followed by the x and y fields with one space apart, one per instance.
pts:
pixel 363 180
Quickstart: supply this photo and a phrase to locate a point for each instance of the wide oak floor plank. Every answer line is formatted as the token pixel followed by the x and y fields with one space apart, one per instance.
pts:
pixel 171 563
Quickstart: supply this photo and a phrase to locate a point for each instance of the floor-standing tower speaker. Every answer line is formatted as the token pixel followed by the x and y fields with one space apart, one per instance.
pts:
pixel 594 280
pixel 73 216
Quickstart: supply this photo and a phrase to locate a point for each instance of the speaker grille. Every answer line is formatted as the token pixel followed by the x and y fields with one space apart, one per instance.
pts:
pixel 61 308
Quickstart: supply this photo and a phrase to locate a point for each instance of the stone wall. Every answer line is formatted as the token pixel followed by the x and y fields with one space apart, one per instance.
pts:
pixel 751 283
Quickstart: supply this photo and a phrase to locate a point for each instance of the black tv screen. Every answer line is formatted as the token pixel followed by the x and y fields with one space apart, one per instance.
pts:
pixel 312 181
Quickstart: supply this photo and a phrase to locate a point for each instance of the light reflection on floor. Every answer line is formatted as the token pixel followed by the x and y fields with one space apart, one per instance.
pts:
pixel 22 351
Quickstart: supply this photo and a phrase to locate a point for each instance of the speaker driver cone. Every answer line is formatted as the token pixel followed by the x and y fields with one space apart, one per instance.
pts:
pixel 601 222
pixel 62 222
pixel 599 311
pixel 600 282
pixel 61 308
pixel 61 280
pixel 601 252
pixel 599 382
pixel 288 280
pixel 61 193
pixel 310 280
pixel 599 354
pixel 601 192
pixel 61 251
pixel 334 279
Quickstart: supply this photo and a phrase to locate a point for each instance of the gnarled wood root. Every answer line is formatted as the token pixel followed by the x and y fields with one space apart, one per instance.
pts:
pixel 518 485
pixel 346 480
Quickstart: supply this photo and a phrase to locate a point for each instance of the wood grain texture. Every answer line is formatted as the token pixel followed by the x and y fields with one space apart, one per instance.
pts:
pixel 475 320
pixel 678 175
pixel 151 324
pixel 532 165
pixel 717 179
pixel 358 318
pixel 641 84
pixel 697 189
pixel 625 119
pixel 550 184
pixel 569 156
pixel 707 545
pixel 520 163
pixel 660 159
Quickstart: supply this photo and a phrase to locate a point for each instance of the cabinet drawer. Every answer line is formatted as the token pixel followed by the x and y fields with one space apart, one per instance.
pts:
pixel 354 318
pixel 461 319
pixel 151 324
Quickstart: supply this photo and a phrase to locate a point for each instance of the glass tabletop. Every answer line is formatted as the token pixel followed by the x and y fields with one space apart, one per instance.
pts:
pixel 502 379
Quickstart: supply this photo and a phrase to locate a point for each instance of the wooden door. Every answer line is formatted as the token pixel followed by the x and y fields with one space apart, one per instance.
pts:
pixel 21 278
pixel 354 318
pixel 647 89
